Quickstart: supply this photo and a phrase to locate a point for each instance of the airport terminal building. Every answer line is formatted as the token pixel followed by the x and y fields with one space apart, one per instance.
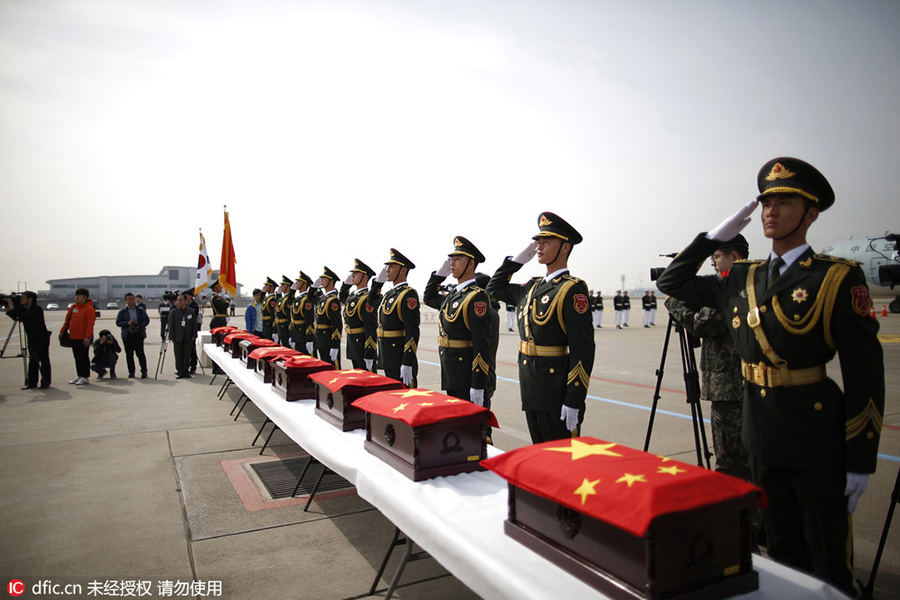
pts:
pixel 114 287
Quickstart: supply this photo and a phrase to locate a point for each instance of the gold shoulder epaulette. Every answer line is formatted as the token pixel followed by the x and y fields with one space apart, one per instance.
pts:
pixel 749 261
pixel 837 259
pixel 571 278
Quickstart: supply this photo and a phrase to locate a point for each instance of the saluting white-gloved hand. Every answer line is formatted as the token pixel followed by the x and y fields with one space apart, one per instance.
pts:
pixel 857 483
pixel 527 254
pixel 333 353
pixel 309 348
pixel 476 396
pixel 570 416
pixel 369 363
pixel 445 268
pixel 382 277
pixel 733 225
pixel 349 280
pixel 406 374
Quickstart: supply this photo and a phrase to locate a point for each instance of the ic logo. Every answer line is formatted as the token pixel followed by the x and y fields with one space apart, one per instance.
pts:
pixel 15 587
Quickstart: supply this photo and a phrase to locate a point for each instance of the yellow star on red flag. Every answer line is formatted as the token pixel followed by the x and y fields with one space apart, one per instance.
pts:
pixel 413 392
pixel 580 449
pixel 673 470
pixel 401 407
pixel 426 403
pixel 586 489
pixel 631 479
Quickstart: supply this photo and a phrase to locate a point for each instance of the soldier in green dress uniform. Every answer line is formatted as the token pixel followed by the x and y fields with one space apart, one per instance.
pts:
pixel 467 357
pixel 328 320
pixel 556 348
pixel 219 307
pixel 398 320
pixel 812 445
pixel 360 320
pixel 301 312
pixel 283 310
pixel 268 308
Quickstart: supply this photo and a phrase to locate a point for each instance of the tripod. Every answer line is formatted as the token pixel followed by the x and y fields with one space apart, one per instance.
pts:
pixel 687 343
pixel 16 327
pixel 162 356
pixel 869 588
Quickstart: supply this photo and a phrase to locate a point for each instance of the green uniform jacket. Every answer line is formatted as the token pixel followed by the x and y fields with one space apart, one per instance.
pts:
pixel 268 316
pixel 558 315
pixel 328 324
pixel 220 311
pixel 302 320
pixel 359 315
pixel 398 310
pixel 465 316
pixel 283 317
pixel 820 305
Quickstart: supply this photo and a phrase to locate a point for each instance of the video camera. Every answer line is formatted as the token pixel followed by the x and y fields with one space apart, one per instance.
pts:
pixel 16 299
pixel 170 295
pixel 889 275
pixel 655 272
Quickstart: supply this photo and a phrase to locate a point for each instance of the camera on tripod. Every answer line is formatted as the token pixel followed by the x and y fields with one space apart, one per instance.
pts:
pixel 16 299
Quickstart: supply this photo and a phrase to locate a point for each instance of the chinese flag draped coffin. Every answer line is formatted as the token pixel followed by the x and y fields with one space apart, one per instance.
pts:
pixel 336 391
pixel 425 434
pixel 249 345
pixel 262 360
pixel 632 524
pixel 219 333
pixel 290 376
pixel 232 342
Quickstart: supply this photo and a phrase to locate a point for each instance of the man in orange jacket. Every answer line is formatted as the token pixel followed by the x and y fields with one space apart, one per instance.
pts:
pixel 80 325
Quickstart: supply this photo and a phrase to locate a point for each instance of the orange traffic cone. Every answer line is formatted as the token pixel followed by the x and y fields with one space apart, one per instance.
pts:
pixel 873 315
pixel 883 310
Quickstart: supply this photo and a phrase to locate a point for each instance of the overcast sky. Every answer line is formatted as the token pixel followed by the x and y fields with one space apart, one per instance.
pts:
pixel 338 129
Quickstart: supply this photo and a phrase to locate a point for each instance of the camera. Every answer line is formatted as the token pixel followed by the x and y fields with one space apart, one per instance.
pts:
pixel 655 272
pixel 16 299
pixel 170 295
pixel 889 275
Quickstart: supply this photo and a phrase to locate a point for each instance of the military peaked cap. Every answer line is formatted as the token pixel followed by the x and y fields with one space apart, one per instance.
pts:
pixel 270 281
pixel 305 278
pixel 737 241
pixel 362 267
pixel 466 248
pixel 786 175
pixel 330 274
pixel 398 259
pixel 552 225
pixel 285 280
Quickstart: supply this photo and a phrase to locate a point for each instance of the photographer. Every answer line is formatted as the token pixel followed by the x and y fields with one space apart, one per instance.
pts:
pixel 38 338
pixel 80 327
pixel 134 321
pixel 164 307
pixel 106 355
pixel 720 364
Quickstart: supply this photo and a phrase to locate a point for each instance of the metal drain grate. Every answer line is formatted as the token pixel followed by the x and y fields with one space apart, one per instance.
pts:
pixel 280 477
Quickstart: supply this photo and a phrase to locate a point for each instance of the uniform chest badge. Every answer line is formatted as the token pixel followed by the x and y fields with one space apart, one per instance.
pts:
pixel 799 295
pixel 545 299
pixel 454 305
pixel 736 322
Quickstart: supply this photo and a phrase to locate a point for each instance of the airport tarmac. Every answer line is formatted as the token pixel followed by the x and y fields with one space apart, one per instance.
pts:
pixel 133 480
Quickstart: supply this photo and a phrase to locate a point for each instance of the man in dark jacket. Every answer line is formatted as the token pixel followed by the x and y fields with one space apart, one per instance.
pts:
pixel 182 332
pixel 37 338
pixel 133 320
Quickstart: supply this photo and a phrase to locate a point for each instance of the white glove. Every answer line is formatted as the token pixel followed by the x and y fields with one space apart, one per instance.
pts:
pixel 349 280
pixel 406 374
pixel 382 277
pixel 294 285
pixel 570 416
pixel 856 485
pixel 527 254
pixel 309 348
pixel 369 363
pixel 333 353
pixel 476 396
pixel 317 283
pixel 445 268
pixel 733 225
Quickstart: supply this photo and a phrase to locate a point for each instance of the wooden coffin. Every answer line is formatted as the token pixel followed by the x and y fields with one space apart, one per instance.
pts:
pixel 290 377
pixel 219 333
pixel 335 395
pixel 703 552
pixel 247 346
pixel 263 358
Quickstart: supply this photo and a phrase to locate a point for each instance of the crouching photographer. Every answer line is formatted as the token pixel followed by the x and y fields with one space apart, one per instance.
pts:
pixel 27 312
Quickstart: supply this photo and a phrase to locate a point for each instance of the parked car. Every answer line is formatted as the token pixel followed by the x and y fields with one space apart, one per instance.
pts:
pixel 53 306
pixel 112 305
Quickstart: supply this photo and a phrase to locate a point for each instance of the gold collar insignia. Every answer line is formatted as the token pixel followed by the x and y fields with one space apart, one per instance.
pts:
pixel 807 262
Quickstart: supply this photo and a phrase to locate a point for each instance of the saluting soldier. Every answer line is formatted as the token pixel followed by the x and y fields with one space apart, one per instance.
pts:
pixel 283 310
pixel 268 309
pixel 812 446
pixel 301 312
pixel 398 320
pixel 556 348
pixel 466 329
pixel 360 320
pixel 328 320
pixel 219 307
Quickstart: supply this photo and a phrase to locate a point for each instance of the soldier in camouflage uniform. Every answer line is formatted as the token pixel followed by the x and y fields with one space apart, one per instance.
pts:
pixel 720 366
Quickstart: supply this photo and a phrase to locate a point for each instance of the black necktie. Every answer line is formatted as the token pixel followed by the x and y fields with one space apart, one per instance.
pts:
pixel 775 271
